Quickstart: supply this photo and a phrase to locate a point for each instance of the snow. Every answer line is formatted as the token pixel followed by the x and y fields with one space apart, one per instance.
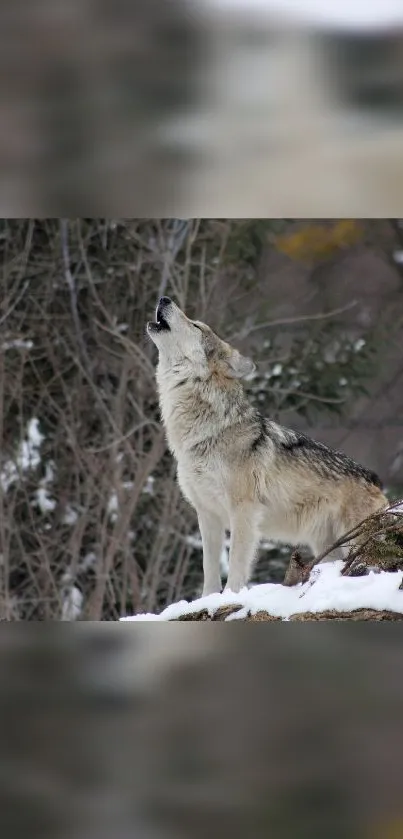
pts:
pixel 113 506
pixel 42 498
pixel 9 475
pixel 326 589
pixel 17 344
pixel 29 450
pixel 27 456
pixel 194 541
pixel 88 561
pixel 398 508
pixel 72 604
pixel 70 515
pixel 398 257
pixel 277 370
pixel 113 501
pixel 148 488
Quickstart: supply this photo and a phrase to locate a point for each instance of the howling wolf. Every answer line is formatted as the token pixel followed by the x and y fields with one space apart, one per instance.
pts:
pixel 241 471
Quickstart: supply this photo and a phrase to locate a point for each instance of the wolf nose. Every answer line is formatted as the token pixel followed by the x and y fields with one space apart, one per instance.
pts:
pixel 164 301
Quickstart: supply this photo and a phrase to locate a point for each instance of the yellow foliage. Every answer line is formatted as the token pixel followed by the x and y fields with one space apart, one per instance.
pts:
pixel 319 241
pixel 389 830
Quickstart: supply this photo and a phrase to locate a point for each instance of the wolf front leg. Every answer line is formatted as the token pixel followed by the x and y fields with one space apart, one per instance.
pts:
pixel 212 533
pixel 243 545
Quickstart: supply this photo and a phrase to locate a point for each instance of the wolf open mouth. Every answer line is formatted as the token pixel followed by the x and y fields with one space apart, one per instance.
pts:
pixel 161 324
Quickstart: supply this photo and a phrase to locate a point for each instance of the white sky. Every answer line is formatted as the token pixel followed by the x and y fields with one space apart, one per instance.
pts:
pixel 351 14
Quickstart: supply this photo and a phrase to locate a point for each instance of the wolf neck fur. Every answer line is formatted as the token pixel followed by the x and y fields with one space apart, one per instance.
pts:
pixel 193 408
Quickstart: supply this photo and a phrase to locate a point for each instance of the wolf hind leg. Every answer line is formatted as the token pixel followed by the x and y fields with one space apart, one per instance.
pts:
pixel 337 553
pixel 324 541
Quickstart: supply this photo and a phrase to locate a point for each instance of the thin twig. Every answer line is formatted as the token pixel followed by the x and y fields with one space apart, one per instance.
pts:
pixel 15 302
pixel 175 241
pixel 70 281
pixel 283 321
pixel 311 396
pixel 129 345
pixel 351 534
pixel 117 442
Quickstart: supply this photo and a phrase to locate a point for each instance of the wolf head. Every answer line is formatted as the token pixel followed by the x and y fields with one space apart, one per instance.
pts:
pixel 191 345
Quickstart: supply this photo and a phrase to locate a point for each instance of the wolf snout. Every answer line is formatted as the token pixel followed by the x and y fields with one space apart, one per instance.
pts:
pixel 163 304
pixel 162 308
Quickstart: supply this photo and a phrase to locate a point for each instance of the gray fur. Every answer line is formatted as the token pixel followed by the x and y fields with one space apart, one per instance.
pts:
pixel 241 471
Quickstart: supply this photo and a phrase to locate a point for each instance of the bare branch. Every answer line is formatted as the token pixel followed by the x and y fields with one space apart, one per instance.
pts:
pixel 295 320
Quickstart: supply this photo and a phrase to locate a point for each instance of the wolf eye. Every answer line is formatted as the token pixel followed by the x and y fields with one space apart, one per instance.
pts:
pixel 197 327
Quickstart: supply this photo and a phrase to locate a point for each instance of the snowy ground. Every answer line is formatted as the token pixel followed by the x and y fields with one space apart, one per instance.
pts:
pixel 326 589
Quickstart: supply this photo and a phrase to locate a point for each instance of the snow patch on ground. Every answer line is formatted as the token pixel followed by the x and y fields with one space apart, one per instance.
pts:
pixel 397 508
pixel 326 589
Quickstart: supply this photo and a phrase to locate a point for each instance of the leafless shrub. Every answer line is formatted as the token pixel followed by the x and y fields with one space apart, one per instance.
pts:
pixel 92 523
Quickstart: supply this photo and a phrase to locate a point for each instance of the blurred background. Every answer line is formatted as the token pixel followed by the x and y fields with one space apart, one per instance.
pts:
pixel 92 523
pixel 217 108
pixel 160 732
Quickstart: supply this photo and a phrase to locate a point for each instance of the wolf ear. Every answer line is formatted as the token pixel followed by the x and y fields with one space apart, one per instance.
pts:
pixel 239 366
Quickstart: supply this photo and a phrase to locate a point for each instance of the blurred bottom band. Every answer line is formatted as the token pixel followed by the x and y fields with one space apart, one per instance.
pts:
pixel 144 732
